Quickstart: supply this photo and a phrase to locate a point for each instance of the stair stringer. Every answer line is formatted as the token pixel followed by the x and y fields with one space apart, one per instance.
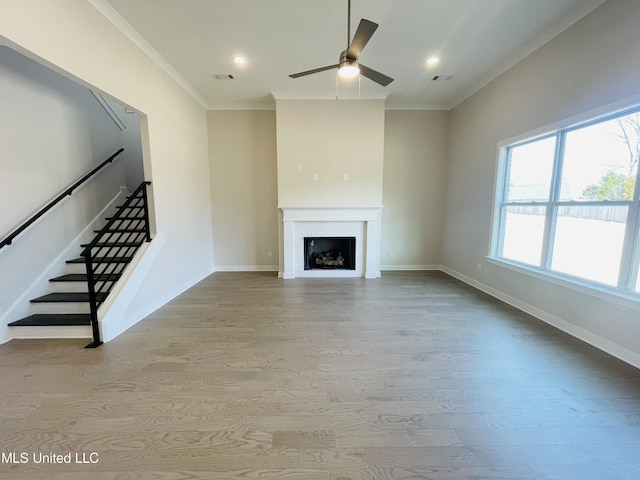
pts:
pixel 22 307
pixel 113 315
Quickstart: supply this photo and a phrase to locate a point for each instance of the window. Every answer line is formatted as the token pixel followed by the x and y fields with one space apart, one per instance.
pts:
pixel 568 203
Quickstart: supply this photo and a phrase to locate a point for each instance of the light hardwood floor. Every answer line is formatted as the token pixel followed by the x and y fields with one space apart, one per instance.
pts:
pixel 411 376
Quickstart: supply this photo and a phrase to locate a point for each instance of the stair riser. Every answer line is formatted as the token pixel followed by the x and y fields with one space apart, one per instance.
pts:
pixel 107 268
pixel 66 331
pixel 126 224
pixel 76 268
pixel 70 287
pixel 60 307
pixel 115 252
pixel 122 237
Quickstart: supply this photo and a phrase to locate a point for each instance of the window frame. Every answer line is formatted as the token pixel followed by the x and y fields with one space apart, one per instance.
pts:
pixel 628 284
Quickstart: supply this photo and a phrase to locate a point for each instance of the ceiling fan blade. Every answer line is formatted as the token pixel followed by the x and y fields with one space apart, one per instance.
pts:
pixel 377 77
pixel 315 70
pixel 363 34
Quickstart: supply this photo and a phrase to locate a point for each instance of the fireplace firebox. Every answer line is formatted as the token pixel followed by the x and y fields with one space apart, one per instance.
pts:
pixel 329 253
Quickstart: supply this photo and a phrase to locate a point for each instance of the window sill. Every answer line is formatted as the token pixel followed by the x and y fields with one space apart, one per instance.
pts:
pixel 629 300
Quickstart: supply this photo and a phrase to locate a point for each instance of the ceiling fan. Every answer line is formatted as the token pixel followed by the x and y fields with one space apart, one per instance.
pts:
pixel 348 66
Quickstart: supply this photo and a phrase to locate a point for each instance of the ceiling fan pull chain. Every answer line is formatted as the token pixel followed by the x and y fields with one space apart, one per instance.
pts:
pixel 359 77
pixel 337 84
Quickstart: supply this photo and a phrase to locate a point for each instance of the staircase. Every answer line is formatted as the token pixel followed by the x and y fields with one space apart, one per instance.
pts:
pixel 74 297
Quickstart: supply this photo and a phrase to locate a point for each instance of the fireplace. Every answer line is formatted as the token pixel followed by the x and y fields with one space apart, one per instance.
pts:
pixel 330 253
pixel 360 224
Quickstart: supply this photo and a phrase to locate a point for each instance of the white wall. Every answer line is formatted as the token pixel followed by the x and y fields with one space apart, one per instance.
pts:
pixel 330 138
pixel 415 155
pixel 131 142
pixel 594 63
pixel 242 149
pixel 53 132
pixel 75 38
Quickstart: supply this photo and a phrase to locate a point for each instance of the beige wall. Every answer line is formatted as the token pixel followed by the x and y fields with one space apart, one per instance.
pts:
pixel 242 153
pixel 329 139
pixel 242 146
pixel 415 149
pixel 594 63
pixel 76 39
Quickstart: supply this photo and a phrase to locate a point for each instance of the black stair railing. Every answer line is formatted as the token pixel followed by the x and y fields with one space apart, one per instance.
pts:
pixel 68 191
pixel 113 248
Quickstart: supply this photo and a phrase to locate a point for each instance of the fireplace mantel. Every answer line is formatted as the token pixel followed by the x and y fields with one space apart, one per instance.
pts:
pixel 361 222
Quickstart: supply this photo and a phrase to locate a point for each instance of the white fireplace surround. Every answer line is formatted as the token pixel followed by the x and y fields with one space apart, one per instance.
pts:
pixel 363 223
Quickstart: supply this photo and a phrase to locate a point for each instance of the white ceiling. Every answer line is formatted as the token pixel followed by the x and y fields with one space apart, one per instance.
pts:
pixel 477 40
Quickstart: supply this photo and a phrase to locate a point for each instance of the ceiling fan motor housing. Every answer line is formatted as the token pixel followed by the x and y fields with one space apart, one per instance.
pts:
pixel 344 57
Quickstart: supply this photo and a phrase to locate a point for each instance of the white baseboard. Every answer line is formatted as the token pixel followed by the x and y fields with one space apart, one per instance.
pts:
pixel 586 336
pixel 246 268
pixel 275 268
pixel 409 268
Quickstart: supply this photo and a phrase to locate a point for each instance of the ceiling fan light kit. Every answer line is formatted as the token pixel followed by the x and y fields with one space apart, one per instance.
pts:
pixel 348 66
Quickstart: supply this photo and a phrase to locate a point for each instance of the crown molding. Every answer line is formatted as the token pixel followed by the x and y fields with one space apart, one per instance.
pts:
pixel 294 95
pixel 132 34
pixel 242 106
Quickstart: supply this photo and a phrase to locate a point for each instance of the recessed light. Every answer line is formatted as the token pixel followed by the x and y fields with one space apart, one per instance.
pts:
pixel 239 59
pixel 433 60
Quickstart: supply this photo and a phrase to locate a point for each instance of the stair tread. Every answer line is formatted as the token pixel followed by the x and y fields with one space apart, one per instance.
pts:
pixel 102 260
pixel 67 297
pixel 82 277
pixel 114 244
pixel 124 218
pixel 51 319
pixel 123 230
